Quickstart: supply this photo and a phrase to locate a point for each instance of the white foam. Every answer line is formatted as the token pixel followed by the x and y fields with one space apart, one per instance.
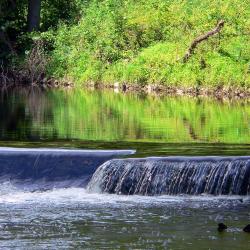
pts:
pixel 9 194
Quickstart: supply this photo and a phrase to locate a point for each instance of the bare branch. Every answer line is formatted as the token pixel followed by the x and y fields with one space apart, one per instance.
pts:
pixel 201 38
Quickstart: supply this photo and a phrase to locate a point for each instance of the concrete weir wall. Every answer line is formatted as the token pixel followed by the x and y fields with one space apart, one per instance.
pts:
pixel 45 167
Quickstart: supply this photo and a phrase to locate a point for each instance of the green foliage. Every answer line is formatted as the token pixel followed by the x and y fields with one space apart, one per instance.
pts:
pixel 144 41
pixel 134 41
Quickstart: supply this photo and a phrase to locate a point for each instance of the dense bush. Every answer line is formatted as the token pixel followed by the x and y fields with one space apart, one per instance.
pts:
pixel 143 42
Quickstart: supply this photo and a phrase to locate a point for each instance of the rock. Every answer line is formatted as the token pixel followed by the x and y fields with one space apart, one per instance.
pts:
pixel 149 88
pixel 221 227
pixel 246 229
pixel 116 85
pixel 124 87
pixel 67 84
pixel 179 92
pixel 44 80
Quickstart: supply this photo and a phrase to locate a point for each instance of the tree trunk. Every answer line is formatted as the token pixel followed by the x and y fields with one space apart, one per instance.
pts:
pixel 34 15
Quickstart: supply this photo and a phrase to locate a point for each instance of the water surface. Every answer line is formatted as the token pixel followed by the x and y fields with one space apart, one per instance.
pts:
pixel 72 218
pixel 103 119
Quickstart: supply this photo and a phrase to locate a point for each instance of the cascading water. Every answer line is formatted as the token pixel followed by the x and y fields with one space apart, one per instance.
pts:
pixel 174 175
pixel 39 169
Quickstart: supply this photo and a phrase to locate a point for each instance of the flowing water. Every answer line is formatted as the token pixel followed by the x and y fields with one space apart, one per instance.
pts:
pixel 173 176
pixel 77 199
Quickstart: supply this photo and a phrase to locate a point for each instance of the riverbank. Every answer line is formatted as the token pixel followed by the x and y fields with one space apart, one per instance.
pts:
pixel 157 43
pixel 217 92
pixel 197 48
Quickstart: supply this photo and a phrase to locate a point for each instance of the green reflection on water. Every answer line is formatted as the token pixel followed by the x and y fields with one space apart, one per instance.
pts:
pixel 95 116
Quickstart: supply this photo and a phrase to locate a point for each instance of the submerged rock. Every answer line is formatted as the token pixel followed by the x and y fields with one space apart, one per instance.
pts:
pixel 221 227
pixel 246 229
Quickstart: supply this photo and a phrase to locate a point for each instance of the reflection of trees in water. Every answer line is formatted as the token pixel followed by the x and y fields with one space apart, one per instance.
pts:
pixel 30 113
pixel 20 109
pixel 13 119
pixel 38 105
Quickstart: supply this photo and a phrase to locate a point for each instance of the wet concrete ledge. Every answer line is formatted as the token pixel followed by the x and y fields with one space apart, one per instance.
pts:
pixel 48 165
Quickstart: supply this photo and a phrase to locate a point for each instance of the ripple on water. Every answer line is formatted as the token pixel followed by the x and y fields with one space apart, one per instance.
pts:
pixel 74 218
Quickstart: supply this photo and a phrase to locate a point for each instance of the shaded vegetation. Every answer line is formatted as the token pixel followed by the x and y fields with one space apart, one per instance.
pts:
pixel 15 41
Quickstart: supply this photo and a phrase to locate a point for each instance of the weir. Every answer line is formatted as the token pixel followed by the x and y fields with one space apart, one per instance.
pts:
pixel 174 175
pixel 49 168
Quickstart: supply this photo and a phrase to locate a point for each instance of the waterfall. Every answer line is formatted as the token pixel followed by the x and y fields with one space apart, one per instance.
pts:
pixel 174 175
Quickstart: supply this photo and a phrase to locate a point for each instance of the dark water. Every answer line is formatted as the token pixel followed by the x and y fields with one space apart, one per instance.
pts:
pixel 43 200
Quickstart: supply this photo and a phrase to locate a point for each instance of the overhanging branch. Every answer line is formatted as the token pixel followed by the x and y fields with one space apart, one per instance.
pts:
pixel 201 38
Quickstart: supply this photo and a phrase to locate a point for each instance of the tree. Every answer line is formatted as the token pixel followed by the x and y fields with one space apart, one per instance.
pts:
pixel 34 11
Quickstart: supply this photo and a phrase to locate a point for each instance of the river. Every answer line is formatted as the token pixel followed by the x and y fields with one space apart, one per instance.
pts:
pixel 45 200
